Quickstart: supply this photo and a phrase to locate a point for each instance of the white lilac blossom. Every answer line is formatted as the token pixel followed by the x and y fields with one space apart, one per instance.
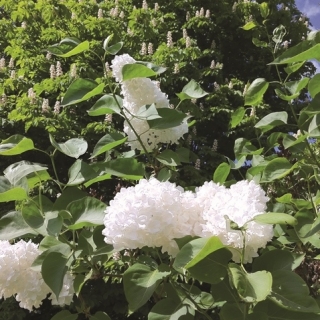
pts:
pixel 25 284
pixel 153 213
pixel 240 204
pixel 137 93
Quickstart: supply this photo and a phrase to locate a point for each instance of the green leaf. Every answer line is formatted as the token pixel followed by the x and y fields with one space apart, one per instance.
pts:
pixel 314 126
pixel 155 68
pixel 291 292
pixel 237 117
pixel 293 67
pixel 275 218
pixel 164 174
pixel 108 142
pixel 233 311
pixel 285 97
pixel 184 154
pixel 275 312
pixel 53 270
pixel 136 70
pixel 313 87
pixel 169 158
pixel 221 173
pixel 191 90
pixel 115 48
pixel 12 225
pixel 276 260
pixel 61 47
pixel 255 92
pixel 277 169
pixel 148 112
pixel 9 192
pixel 32 215
pixel 16 144
pixel 65 315
pixel 296 86
pixel 68 194
pixel 264 10
pixel 251 287
pixel 272 120
pixel 80 172
pixel 286 198
pixel 259 43
pixel 250 25
pixel 278 34
pixel 15 172
pixel 100 316
pixel 86 212
pixel 169 118
pixel 106 41
pixel 243 146
pixel 140 281
pixel 122 167
pixel 107 104
pixel 305 50
pixel 81 90
pixel 73 148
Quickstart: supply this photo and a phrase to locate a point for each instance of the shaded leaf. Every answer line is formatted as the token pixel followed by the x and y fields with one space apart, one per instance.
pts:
pixel 169 158
pixel 107 104
pixel 108 142
pixel 272 120
pixel 255 92
pixel 191 90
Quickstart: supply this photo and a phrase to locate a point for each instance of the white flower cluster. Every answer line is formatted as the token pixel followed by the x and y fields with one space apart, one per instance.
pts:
pixel 138 92
pixel 153 213
pixel 27 285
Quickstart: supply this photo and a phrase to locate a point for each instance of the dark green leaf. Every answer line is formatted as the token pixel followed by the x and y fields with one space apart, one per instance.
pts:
pixel 294 67
pixel 53 270
pixel 296 86
pixel 136 70
pixel 100 316
pixel 277 169
pixel 285 97
pixel 115 48
pixel 16 144
pixel 314 85
pixel 108 142
pixel 255 92
pixel 86 212
pixel 9 192
pixel 65 315
pixel 259 43
pixel 169 118
pixel 60 48
pixel 81 90
pixel 169 158
pixel 80 172
pixel 275 218
pixel 68 195
pixel 148 112
pixel 140 281
pixel 155 68
pixel 233 311
pixel 314 126
pixel 12 225
pixel 107 104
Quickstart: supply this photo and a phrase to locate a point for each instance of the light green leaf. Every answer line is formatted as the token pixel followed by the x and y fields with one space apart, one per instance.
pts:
pixel 107 104
pixel 277 169
pixel 106 41
pixel 53 270
pixel 264 10
pixel 81 90
pixel 191 90
pixel 12 225
pixel 140 281
pixel 237 117
pixel 136 70
pixel 164 174
pixel 293 67
pixel 154 67
pixel 73 148
pixel 278 34
pixel 148 112
pixel 286 198
pixel 221 173
pixel 296 86
pixel 80 172
pixel 275 218
pixel 169 118
pixel 251 287
pixel 314 126
pixel 16 144
pixel 272 120
pixel 108 142
pixel 313 87
pixel 61 47
pixel 86 212
pixel 255 92
pixel 9 192
pixel 285 97
pixel 169 158
pixel 250 25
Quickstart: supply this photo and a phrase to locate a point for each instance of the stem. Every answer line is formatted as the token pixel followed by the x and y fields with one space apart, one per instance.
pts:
pixel 310 199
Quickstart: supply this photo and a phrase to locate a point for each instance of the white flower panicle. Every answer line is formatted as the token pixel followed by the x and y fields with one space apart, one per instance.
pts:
pixel 11 63
pixel 25 284
pixel 100 13
pixel 156 7
pixel 137 93
pixel 188 42
pixel 24 25
pixel 73 71
pixel 153 213
pixel 169 39
pixel 45 106
pixel 2 63
pixel 56 108
pixel 12 74
pixel 59 71
pixel 150 49
pixel 52 71
pixel 143 50
pixel 144 5
pixel 176 68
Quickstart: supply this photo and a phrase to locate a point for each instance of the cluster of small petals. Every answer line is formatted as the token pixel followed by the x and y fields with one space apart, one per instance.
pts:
pixel 56 108
pixel 207 13
pixel 188 16
pixel 3 98
pixel 201 12
pixel 137 93
pixel 48 55
pixel 184 33
pixel 52 71
pixel 176 68
pixel 32 95
pixel 26 284
pixel 2 63
pixel 23 25
pixel 153 213
pixel 73 71
pixel 13 74
pixel 169 39
pixel 215 145
pixel 121 15
pixel 11 63
pixel 100 13
pixel 143 50
pixel 59 71
pixel 188 42
pixel 156 7
pixel 45 106
pixel 150 49
pixel 144 5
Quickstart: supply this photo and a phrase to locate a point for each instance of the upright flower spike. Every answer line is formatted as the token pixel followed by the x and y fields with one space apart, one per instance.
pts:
pixel 11 63
pixel 56 108
pixel 100 13
pixel 52 71
pixel 184 33
pixel 156 7
pixel 188 42
pixel 176 68
pixel 144 5
pixel 143 50
pixel 150 49
pixel 2 63
pixel 169 39
pixel 59 71
pixel 45 106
